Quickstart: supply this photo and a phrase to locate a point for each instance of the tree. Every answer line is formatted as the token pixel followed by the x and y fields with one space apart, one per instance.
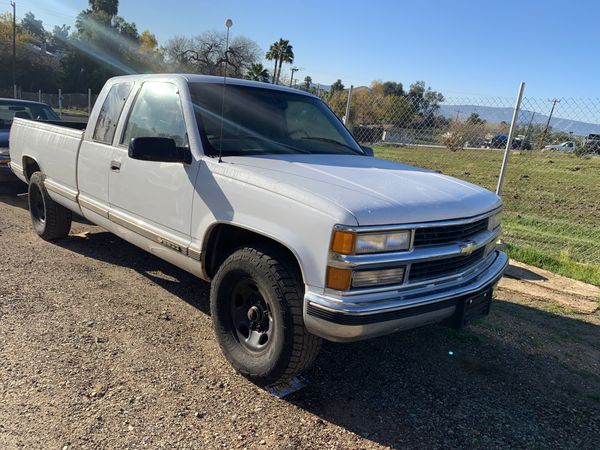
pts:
pixel 273 55
pixel 474 119
pixel 426 103
pixel 307 82
pixel 57 40
pixel 257 72
pixel 35 69
pixel 337 86
pixel 388 88
pixel 286 54
pixel 280 52
pixel 206 54
pixel 109 7
pixel 148 42
pixel 103 45
pixel 34 27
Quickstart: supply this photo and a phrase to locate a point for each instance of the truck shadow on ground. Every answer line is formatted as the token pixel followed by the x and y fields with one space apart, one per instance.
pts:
pixel 107 247
pixel 522 377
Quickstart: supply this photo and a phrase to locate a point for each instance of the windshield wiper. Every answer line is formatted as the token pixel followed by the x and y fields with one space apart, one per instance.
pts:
pixel 330 141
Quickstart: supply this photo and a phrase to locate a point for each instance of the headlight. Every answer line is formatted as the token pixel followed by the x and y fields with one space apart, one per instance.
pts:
pixel 348 243
pixel 388 242
pixel 494 221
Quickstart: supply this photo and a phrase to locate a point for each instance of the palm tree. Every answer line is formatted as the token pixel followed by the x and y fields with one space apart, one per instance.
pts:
pixel 273 55
pixel 280 52
pixel 257 72
pixel 307 82
pixel 286 54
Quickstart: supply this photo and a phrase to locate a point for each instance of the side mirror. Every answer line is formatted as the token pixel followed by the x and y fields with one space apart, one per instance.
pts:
pixel 159 149
pixel 368 151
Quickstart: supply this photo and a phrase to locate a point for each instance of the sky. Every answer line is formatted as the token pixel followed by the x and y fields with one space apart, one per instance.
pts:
pixel 459 47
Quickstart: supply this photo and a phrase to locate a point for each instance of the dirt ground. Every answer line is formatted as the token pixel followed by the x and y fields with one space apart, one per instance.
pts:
pixel 105 346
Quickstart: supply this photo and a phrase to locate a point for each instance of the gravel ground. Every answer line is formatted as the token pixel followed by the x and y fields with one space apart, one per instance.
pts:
pixel 105 346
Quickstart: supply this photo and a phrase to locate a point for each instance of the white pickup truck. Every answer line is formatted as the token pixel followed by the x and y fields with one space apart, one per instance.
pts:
pixel 261 190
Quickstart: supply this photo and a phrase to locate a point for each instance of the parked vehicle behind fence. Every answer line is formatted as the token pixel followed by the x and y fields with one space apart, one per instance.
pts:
pixel 592 143
pixel 261 190
pixel 567 147
pixel 9 109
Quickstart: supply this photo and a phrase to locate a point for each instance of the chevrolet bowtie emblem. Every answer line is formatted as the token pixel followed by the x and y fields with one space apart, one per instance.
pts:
pixel 468 248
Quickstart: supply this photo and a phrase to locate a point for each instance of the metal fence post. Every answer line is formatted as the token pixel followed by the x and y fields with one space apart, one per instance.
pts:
pixel 14 91
pixel 513 125
pixel 89 101
pixel 60 102
pixel 347 116
pixel 40 95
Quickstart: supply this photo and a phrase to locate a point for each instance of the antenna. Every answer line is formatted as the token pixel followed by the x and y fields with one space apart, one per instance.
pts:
pixel 228 24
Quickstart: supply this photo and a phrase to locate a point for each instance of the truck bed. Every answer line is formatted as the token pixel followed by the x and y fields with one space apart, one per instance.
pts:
pixel 54 147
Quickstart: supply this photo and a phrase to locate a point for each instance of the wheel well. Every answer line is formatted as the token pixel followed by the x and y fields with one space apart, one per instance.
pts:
pixel 225 238
pixel 30 166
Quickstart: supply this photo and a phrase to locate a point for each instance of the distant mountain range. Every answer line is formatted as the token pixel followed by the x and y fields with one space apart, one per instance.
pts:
pixel 498 114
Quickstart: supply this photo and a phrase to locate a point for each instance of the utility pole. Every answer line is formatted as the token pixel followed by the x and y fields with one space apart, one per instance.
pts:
pixel 458 111
pixel 293 69
pixel 14 55
pixel 554 102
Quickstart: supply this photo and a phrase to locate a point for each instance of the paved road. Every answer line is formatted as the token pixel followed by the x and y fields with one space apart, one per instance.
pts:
pixel 104 346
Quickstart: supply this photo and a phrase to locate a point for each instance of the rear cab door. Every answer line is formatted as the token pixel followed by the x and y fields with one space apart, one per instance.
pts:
pixel 95 154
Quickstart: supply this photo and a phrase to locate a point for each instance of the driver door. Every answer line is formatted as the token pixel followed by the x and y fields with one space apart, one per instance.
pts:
pixel 153 199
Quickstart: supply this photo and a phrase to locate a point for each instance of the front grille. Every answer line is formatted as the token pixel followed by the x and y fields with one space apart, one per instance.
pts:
pixel 438 268
pixel 448 233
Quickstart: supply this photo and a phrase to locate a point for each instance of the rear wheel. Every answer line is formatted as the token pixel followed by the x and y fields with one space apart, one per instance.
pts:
pixel 256 306
pixel 50 220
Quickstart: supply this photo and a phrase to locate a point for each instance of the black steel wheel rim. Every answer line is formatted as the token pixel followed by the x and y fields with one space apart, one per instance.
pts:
pixel 251 316
pixel 36 202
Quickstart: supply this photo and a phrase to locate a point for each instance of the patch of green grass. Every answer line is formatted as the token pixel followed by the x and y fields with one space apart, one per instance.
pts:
pixel 561 265
pixel 552 202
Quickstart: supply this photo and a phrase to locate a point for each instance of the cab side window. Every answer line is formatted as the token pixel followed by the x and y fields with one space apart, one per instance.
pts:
pixel 108 118
pixel 156 113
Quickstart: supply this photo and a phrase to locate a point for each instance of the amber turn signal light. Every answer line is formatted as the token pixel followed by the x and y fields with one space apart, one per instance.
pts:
pixel 343 242
pixel 339 279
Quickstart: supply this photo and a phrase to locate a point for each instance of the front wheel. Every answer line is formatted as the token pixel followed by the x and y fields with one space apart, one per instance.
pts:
pixel 256 306
pixel 49 219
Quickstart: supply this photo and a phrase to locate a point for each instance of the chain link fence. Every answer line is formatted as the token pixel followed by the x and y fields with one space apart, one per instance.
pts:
pixel 552 187
pixel 75 103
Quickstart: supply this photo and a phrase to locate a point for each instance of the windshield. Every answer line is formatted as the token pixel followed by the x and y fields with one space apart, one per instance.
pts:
pixel 267 121
pixel 26 111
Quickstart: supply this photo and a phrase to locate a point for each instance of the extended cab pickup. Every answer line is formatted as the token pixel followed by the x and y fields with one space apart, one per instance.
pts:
pixel 261 190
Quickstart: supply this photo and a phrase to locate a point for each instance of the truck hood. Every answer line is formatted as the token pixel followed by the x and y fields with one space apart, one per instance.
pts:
pixel 374 191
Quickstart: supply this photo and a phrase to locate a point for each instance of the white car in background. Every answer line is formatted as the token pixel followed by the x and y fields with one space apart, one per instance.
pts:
pixel 567 146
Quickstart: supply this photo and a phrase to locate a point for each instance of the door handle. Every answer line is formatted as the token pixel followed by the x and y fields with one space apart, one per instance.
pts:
pixel 115 166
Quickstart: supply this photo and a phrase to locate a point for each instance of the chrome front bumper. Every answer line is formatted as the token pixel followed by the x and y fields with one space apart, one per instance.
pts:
pixel 350 318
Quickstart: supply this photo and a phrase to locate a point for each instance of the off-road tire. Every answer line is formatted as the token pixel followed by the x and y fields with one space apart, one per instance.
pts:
pixel 50 220
pixel 291 348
